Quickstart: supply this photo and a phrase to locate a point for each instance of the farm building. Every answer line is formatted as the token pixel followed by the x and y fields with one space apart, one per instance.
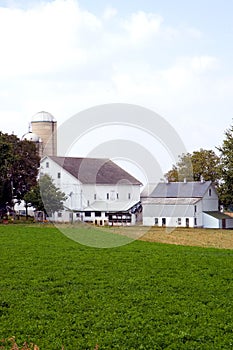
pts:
pixel 183 204
pixel 98 190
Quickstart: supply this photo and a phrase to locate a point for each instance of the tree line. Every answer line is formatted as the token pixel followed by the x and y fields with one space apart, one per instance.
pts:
pixel 19 170
pixel 208 165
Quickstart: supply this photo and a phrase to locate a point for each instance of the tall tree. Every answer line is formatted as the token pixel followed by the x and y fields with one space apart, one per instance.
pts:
pixel 193 166
pixel 45 196
pixel 226 157
pixel 19 163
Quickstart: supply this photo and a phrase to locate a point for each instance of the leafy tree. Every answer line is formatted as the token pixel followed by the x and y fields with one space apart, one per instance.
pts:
pixel 45 196
pixel 193 166
pixel 226 157
pixel 19 163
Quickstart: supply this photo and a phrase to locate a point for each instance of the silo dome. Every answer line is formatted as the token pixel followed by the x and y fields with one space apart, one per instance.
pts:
pixel 43 117
pixel 31 136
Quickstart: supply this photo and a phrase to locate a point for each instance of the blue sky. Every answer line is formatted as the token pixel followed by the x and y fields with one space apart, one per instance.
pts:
pixel 174 57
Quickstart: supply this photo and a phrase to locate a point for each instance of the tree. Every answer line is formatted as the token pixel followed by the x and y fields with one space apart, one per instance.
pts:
pixel 226 169
pixel 45 196
pixel 19 164
pixel 193 166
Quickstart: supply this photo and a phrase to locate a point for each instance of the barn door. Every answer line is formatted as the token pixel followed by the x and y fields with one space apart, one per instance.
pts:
pixel 223 223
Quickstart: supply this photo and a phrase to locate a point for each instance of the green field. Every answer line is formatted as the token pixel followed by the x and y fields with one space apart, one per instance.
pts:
pixel 55 292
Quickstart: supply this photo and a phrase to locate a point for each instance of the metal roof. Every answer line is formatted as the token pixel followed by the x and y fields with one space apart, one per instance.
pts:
pixel 43 117
pixel 95 171
pixel 179 190
pixel 170 201
pixel 31 136
pixel 218 215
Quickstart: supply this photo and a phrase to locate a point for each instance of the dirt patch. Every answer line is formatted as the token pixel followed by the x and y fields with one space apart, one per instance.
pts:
pixel 191 237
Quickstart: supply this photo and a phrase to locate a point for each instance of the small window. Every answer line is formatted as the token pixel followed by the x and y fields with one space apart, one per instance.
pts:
pixel 58 175
pixel 107 195
pixel 88 203
pixel 59 215
pixel 195 208
pixel 163 221
pixel 117 195
pixel 98 213
pixel 179 221
pixel 195 221
pixel 156 221
pixel 47 164
pixel 88 213
pixel 95 196
pixel 129 195
pixel 210 192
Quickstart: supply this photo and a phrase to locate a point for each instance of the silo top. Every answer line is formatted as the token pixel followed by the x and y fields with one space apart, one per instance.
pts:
pixel 31 136
pixel 43 117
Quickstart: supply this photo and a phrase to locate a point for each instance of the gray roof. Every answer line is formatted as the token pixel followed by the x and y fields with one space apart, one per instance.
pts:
pixel 179 190
pixel 95 171
pixel 218 215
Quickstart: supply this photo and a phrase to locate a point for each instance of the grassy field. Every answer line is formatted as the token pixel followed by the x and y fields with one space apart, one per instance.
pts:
pixel 55 292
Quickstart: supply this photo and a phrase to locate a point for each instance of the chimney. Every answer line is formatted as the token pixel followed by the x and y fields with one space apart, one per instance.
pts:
pixel 202 179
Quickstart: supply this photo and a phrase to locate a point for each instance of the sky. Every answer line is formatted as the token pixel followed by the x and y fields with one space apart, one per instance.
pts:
pixel 172 57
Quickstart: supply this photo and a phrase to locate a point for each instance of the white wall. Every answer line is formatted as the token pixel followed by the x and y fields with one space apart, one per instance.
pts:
pixel 170 221
pixel 210 200
pixel 210 221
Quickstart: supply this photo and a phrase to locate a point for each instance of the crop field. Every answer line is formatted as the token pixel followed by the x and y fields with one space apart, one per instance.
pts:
pixel 57 293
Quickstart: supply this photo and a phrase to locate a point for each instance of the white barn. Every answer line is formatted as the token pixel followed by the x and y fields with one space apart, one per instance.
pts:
pixel 98 190
pixel 183 204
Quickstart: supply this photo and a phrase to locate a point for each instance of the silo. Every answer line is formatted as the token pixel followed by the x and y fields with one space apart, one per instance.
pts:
pixel 44 125
pixel 30 136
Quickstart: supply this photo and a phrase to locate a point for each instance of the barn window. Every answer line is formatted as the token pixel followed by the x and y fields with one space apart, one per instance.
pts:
pixel 195 221
pixel 107 195
pixel 95 197
pixel 195 208
pixel 88 213
pixel 47 164
pixel 117 195
pixel 179 221
pixel 58 175
pixel 163 221
pixel 129 195
pixel 156 221
pixel 210 192
pixel 59 215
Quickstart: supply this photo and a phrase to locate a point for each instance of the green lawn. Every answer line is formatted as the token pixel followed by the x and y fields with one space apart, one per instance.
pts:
pixel 54 292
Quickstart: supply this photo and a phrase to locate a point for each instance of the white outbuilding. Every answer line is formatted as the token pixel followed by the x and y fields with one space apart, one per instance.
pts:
pixel 183 204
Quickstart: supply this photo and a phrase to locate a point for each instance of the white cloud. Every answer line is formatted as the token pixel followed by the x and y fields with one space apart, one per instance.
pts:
pixel 44 39
pixel 204 63
pixel 142 26
pixel 59 57
pixel 109 13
